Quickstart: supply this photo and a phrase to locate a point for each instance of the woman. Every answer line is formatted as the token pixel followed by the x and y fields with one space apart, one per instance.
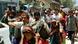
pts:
pixel 55 35
pixel 63 32
pixel 27 36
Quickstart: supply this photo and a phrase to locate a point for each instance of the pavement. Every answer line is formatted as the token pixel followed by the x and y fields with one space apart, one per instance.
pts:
pixel 69 42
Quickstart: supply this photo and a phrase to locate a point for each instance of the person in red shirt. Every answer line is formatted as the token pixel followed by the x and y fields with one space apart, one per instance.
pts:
pixel 28 36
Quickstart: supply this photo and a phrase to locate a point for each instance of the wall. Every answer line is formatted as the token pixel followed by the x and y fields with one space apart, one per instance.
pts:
pixel 6 0
pixel 10 1
pixel 17 1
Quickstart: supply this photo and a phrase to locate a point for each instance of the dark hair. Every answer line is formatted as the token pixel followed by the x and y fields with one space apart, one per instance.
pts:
pixel 11 14
pixel 21 12
pixel 71 11
pixel 37 14
pixel 31 31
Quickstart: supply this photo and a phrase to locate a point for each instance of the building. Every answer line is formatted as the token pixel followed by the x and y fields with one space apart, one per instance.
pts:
pixel 26 1
pixel 7 3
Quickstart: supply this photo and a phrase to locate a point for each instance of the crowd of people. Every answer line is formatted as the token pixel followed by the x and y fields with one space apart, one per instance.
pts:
pixel 46 26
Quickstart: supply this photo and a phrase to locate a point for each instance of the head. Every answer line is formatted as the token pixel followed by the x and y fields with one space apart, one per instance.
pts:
pixel 56 11
pixel 24 16
pixel 25 19
pixel 18 18
pixel 70 12
pixel 63 13
pixel 28 32
pixel 53 23
pixel 37 15
pixel 48 12
pixel 21 13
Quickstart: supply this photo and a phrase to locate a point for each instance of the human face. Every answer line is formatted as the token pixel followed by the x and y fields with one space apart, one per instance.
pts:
pixel 23 14
pixel 36 17
pixel 54 23
pixel 71 14
pixel 25 19
pixel 27 34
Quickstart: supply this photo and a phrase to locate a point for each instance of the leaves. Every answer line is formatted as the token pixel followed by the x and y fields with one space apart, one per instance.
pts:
pixel 68 3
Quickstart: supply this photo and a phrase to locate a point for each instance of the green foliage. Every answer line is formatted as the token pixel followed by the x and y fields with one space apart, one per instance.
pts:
pixel 68 3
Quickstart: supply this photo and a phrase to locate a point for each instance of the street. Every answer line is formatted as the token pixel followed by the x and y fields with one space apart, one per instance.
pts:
pixel 69 42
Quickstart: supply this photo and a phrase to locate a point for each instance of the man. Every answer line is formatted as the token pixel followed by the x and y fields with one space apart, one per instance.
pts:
pixel 17 26
pixel 48 18
pixel 38 22
pixel 71 26
pixel 39 25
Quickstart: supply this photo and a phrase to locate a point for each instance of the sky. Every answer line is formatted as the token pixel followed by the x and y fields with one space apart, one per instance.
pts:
pixel 76 3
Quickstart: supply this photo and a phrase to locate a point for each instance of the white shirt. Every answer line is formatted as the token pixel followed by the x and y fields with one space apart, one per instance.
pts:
pixel 4 33
pixel 55 17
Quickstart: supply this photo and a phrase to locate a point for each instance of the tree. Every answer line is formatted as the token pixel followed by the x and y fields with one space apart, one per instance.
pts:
pixel 68 3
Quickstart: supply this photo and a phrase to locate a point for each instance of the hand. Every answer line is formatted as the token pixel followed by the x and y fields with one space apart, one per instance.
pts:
pixel 22 36
pixel 11 23
pixel 5 15
pixel 37 37
pixel 21 42
pixel 51 33
pixel 37 34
